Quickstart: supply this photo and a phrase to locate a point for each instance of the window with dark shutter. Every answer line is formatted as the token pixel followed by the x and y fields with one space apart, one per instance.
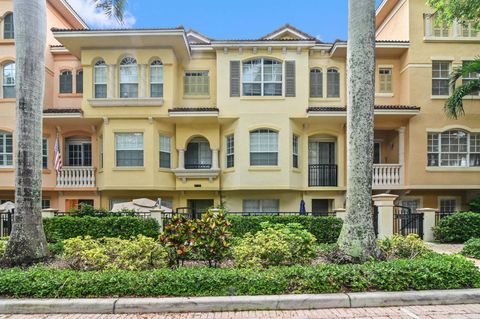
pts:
pixel 290 78
pixel 234 78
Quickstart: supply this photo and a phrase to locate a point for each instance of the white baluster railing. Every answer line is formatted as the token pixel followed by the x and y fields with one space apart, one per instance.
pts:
pixel 76 176
pixel 387 174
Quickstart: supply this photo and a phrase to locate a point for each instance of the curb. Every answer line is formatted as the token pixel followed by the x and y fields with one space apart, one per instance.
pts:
pixel 238 303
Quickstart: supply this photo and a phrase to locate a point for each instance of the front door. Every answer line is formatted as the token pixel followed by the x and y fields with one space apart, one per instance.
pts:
pixel 199 206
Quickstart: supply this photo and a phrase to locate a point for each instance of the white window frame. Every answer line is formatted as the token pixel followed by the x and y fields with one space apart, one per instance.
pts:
pixel 261 205
pixel 455 198
pixel 417 199
pixel 333 95
pixel 471 32
pixel 4 162
pixel 470 77
pixel 4 82
pixel 128 65
pixel 12 25
pixel 262 80
pixel 385 81
pixel 270 148
pixel 117 149
pixel 196 83
pixel 230 150
pixel 434 147
pixel 156 65
pixel 165 149
pixel 100 65
pixel 447 78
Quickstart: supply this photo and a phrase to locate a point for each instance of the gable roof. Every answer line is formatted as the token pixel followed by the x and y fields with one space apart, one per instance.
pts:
pixel 196 37
pixel 288 29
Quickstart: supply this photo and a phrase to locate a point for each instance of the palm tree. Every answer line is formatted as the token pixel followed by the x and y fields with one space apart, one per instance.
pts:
pixel 454 105
pixel 27 242
pixel 357 242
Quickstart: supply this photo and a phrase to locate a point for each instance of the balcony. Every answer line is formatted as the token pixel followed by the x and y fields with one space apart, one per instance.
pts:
pixel 322 175
pixel 76 177
pixel 387 175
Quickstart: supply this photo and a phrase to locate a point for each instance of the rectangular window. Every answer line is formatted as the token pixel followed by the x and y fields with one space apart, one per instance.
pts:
pixel 262 77
pixel 385 79
pixel 100 80
pixel 129 149
pixel 165 151
pixel 263 148
pixel 413 204
pixel 454 148
pixel 295 150
pixel 448 206
pixel 230 150
pixel 474 149
pixel 261 205
pixel 156 79
pixel 440 77
pixel 196 83
pixel 45 203
pixel 79 81
pixel 333 83
pixel 6 149
pixel 45 153
pixel 470 77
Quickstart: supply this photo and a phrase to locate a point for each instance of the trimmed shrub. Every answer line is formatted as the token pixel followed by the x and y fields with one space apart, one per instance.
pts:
pixel 88 210
pixel 275 244
pixel 325 229
pixel 472 248
pixel 432 271
pixel 458 228
pixel 399 246
pixel 60 228
pixel 138 253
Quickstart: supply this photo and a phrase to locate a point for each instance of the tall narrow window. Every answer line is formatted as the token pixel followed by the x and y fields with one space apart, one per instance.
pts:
pixel 440 79
pixel 230 141
pixel 9 81
pixel 44 153
pixel 385 79
pixel 333 83
pixel 128 78
pixel 196 83
pixel 65 81
pixel 6 149
pixel 165 151
pixel 79 81
pixel 262 77
pixel 8 28
pixel 295 147
pixel 129 149
pixel 156 79
pixel 100 79
pixel 475 149
pixel 470 77
pixel 263 147
pixel 316 83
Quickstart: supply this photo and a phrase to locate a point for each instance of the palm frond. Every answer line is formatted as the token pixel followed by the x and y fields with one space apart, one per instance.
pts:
pixel 462 71
pixel 112 8
pixel 454 105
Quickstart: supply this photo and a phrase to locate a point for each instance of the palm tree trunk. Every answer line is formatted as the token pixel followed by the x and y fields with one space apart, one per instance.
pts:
pixel 357 238
pixel 27 242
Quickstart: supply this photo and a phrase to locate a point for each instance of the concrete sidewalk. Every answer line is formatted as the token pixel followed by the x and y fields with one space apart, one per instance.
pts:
pixel 238 303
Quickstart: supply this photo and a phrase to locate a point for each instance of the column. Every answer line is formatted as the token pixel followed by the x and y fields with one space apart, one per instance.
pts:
pixel 340 213
pixel 111 81
pixel 142 90
pixel 401 152
pixel 385 203
pixel 181 158
pixel 215 158
pixel 429 216
pixel 157 214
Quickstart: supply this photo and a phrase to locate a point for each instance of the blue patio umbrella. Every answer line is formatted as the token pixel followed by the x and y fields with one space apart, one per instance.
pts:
pixel 302 208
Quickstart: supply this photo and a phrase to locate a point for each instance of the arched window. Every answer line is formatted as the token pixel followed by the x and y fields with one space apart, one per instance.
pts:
pixel 316 83
pixel 156 79
pixel 9 80
pixel 262 77
pixel 100 79
pixel 128 78
pixel 66 81
pixel 79 81
pixel 8 31
pixel 333 83
pixel 6 149
pixel 198 154
pixel 263 147
pixel 453 148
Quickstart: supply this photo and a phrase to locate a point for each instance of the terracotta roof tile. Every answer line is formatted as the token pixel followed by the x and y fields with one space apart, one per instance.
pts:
pixel 69 110
pixel 377 107
pixel 194 109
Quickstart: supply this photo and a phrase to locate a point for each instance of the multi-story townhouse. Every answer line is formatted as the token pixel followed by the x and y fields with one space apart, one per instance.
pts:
pixel 256 124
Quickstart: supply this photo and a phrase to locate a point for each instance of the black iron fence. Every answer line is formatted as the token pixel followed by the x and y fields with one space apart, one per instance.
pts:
pixel 313 214
pixel 197 166
pixel 322 175
pixel 405 222
pixel 6 221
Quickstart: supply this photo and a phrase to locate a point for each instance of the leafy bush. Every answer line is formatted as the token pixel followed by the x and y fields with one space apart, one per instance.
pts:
pixel 178 236
pixel 60 228
pixel 475 205
pixel 431 271
pixel 88 210
pixel 325 229
pixel 458 227
pixel 275 244
pixel 56 249
pixel 138 253
pixel 3 245
pixel 399 246
pixel 472 248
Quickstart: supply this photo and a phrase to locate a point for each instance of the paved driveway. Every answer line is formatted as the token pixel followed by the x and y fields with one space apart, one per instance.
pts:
pixel 415 312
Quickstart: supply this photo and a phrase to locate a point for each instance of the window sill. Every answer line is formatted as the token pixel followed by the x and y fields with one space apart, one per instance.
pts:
pixel 196 97
pixel 471 97
pixel 7 169
pixel 8 100
pixel 69 95
pixel 128 168
pixel 46 171
pixel 452 169
pixel 165 170
pixel 296 170
pixel 264 168
pixel 228 170
pixel 7 41
pixel 262 98
pixel 384 95
pixel 113 102
pixel 439 97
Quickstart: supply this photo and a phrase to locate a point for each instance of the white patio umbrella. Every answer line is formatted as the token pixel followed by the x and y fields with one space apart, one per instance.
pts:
pixel 140 205
pixel 7 207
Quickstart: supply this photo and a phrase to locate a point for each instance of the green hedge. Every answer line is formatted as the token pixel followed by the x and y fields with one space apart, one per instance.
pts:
pixel 472 248
pixel 325 229
pixel 433 272
pixel 61 228
pixel 458 227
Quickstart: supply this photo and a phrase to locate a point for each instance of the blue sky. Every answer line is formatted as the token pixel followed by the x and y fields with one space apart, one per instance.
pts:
pixel 224 19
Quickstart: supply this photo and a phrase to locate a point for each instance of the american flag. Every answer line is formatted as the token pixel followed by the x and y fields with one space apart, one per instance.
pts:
pixel 58 155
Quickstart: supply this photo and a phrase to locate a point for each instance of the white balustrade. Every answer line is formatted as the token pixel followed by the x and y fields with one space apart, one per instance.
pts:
pixel 387 174
pixel 76 176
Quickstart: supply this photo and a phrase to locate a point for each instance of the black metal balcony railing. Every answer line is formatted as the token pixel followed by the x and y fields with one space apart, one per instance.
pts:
pixel 322 175
pixel 198 166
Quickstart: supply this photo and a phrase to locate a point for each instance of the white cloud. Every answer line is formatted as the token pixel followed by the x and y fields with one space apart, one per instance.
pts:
pixel 96 18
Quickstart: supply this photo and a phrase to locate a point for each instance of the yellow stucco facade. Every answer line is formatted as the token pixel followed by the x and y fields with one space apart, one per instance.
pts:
pixel 250 135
